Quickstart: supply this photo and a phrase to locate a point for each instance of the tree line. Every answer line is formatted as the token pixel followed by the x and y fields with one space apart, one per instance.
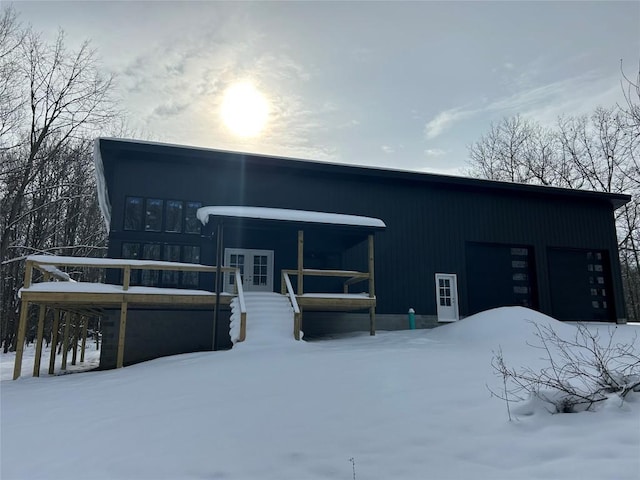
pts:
pixel 53 102
pixel 599 151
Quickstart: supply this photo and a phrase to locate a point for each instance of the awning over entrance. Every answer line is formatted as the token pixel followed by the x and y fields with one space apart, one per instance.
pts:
pixel 288 215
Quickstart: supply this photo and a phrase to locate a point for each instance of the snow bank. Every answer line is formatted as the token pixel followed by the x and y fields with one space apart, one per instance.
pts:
pixel 500 325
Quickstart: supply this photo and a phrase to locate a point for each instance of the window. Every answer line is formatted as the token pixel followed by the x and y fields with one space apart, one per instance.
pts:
pixel 150 251
pixel 190 254
pixel 173 216
pixel 171 254
pixel 191 222
pixel 153 215
pixel 133 213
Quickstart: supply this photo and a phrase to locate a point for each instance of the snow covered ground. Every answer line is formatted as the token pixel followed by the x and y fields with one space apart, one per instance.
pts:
pixel 402 405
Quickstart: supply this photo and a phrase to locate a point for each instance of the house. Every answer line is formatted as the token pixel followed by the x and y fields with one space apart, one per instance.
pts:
pixel 448 247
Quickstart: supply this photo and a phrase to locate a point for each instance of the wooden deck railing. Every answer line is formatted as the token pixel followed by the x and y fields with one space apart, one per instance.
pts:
pixel 89 302
pixel 286 284
pixel 328 301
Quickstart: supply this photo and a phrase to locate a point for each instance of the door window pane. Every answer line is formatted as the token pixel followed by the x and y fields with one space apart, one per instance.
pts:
pixel 259 270
pixel 236 261
pixel 153 215
pixel 191 222
pixel 173 216
pixel 133 213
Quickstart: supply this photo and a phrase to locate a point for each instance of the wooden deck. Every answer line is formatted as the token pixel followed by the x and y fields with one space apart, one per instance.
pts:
pixel 88 299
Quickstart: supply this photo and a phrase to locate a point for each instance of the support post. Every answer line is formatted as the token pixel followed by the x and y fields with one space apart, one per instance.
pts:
pixel 219 260
pixel 65 340
pixel 76 337
pixel 54 341
pixel 22 323
pixel 243 327
pixel 126 280
pixel 39 338
pixel 121 334
pixel 297 324
pixel 22 328
pixel 84 338
pixel 300 261
pixel 372 287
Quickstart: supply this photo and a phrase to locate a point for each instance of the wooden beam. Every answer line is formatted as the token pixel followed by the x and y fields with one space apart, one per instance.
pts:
pixel 54 341
pixel 22 328
pixel 121 335
pixel 39 338
pixel 300 261
pixel 65 340
pixel 84 338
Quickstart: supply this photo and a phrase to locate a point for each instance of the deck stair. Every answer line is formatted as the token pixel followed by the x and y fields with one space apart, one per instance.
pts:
pixel 269 318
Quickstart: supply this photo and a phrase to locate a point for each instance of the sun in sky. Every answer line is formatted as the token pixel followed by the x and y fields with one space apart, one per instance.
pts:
pixel 244 110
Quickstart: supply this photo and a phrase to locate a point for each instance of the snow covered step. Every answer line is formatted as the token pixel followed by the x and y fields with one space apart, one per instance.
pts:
pixel 269 319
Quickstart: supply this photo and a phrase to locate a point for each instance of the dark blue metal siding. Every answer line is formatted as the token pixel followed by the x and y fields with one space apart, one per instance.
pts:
pixel 428 224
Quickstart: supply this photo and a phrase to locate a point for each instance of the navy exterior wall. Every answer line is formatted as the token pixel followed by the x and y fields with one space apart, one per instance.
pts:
pixel 430 220
pixel 155 333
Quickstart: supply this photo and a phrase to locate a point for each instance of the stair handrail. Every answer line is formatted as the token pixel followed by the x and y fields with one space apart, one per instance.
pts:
pixel 243 307
pixel 294 303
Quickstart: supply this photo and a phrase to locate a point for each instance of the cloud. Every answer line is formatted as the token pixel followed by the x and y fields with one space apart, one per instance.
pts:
pixel 434 152
pixel 445 120
pixel 543 103
pixel 170 109
pixel 387 149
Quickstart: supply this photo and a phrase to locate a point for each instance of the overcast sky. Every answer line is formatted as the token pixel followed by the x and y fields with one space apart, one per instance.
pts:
pixel 400 85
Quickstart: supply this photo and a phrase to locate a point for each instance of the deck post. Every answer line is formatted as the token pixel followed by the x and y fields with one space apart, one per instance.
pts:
pixel 85 321
pixel 372 287
pixel 300 261
pixel 54 341
pixel 219 283
pixel 126 279
pixel 40 334
pixel 22 328
pixel 76 337
pixel 22 322
pixel 65 340
pixel 243 326
pixel 297 324
pixel 121 334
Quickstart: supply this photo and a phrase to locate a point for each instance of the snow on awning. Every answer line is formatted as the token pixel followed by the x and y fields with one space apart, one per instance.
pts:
pixel 283 214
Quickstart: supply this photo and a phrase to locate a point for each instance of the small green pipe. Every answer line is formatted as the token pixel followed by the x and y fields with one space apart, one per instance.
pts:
pixel 412 319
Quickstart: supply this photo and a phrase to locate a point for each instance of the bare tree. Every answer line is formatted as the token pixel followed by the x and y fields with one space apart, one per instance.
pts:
pixel 57 100
pixel 596 152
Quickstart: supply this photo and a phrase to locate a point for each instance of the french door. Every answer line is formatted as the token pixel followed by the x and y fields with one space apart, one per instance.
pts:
pixel 256 269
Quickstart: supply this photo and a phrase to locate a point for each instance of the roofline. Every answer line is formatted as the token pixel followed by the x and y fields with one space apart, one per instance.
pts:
pixel 617 200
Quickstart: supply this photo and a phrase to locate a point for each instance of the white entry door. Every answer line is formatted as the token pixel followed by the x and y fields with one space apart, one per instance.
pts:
pixel 447 297
pixel 256 269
